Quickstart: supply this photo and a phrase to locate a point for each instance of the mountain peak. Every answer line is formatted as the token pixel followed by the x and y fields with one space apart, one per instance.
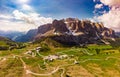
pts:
pixel 73 30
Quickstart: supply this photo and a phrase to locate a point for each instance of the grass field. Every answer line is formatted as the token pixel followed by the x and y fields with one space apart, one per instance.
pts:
pixel 92 61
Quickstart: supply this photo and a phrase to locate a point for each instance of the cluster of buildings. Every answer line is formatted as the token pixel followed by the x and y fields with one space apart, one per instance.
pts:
pixel 33 51
pixel 54 57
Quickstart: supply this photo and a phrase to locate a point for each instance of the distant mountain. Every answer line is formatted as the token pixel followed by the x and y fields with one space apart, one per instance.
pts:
pixel 11 34
pixel 118 34
pixel 72 31
pixel 27 37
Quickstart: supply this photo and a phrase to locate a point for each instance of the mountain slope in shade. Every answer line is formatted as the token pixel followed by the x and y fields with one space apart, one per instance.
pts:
pixel 73 31
pixel 118 34
pixel 27 37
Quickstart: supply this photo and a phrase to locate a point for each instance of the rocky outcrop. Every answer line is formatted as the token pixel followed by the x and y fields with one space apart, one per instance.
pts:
pixel 59 26
pixel 108 33
pixel 90 28
pixel 44 28
pixel 73 31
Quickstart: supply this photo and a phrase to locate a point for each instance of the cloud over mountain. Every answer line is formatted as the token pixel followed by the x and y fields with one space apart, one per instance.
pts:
pixel 112 17
pixel 111 3
pixel 32 18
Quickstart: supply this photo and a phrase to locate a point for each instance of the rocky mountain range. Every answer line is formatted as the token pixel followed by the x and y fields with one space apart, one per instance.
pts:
pixel 72 31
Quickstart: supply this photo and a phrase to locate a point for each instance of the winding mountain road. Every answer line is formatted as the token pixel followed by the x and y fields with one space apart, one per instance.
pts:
pixel 28 73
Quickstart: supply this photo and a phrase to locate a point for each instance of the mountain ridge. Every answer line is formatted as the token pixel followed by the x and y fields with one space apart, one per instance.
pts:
pixel 70 31
pixel 75 31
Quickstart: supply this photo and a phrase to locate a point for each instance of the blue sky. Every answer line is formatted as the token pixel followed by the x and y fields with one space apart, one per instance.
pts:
pixel 52 8
pixel 64 8
pixel 27 14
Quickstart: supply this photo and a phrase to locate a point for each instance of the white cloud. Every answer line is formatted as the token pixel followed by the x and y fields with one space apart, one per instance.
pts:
pixel 23 5
pixel 19 15
pixel 111 18
pixel 23 1
pixel 5 16
pixel 111 2
pixel 20 21
pixel 95 0
pixel 98 6
pixel 15 26
pixel 26 7
pixel 32 18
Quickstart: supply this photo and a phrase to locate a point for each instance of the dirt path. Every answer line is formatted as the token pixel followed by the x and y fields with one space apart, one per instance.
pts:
pixel 28 73
pixel 107 58
pixel 52 72
pixel 62 74
pixel 25 74
pixel 89 60
pixel 48 74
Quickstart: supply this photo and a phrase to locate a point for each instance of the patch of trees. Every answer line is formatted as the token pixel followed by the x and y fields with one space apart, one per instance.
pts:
pixel 97 51
pixel 44 47
pixel 12 45
pixel 116 43
pixel 4 47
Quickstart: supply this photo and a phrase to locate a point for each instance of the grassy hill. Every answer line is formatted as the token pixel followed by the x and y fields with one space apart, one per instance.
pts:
pixel 7 44
pixel 90 61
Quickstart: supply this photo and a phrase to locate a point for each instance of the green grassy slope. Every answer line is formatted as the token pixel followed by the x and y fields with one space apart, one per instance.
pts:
pixel 92 61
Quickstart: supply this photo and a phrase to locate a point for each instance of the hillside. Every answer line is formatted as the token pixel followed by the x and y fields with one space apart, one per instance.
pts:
pixel 3 43
pixel 34 61
pixel 7 44
pixel 4 39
